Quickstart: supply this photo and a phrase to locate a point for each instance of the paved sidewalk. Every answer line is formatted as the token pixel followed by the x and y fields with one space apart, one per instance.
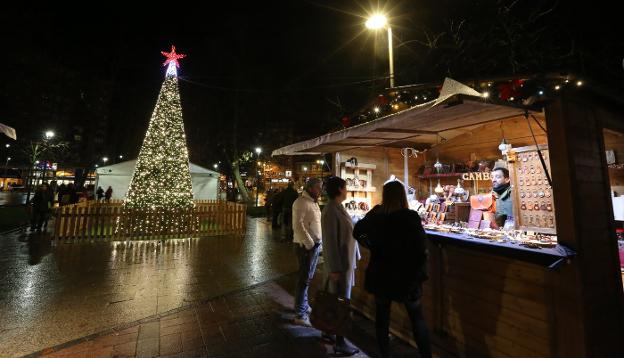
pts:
pixel 212 297
pixel 50 295
pixel 251 323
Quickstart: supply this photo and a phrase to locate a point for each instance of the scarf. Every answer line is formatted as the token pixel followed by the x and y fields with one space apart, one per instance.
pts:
pixel 501 188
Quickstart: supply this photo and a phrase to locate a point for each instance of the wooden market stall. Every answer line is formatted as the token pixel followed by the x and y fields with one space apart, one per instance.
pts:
pixel 488 298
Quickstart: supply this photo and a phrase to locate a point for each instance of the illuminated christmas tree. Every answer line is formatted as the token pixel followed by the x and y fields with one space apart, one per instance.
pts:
pixel 161 182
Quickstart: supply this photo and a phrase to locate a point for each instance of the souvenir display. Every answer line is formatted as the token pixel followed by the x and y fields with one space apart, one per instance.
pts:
pixel 523 238
pixel 359 177
pixel 534 194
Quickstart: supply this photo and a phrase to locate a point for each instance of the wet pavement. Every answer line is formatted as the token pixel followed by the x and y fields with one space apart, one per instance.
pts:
pixel 221 297
pixel 252 323
pixel 56 294
pixel 12 198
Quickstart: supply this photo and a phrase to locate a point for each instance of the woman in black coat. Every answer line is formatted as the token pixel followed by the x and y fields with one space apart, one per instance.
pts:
pixel 395 237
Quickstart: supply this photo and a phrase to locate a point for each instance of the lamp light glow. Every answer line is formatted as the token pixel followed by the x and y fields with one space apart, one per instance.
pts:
pixel 377 21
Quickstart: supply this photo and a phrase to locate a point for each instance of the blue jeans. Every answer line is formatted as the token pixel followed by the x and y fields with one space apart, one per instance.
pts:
pixel 307 265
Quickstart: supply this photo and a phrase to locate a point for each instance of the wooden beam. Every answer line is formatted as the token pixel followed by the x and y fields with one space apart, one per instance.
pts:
pixel 401 130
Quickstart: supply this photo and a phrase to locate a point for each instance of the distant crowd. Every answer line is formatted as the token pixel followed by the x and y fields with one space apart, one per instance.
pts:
pixel 47 195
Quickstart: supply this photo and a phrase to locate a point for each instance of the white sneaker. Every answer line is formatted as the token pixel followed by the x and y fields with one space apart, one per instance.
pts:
pixel 302 321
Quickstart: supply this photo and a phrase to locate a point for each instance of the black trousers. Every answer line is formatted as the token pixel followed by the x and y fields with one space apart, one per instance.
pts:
pixel 419 327
pixel 38 219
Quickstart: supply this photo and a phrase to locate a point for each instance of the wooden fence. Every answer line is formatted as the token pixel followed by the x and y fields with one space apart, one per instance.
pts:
pixel 101 221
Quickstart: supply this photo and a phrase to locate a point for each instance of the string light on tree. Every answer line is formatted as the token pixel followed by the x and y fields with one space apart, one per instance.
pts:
pixel 161 182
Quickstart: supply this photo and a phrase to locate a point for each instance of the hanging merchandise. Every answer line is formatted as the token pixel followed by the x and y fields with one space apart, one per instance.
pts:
pixel 407 153
pixel 439 189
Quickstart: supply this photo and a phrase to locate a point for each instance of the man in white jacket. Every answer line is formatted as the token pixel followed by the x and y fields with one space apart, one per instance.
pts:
pixel 307 239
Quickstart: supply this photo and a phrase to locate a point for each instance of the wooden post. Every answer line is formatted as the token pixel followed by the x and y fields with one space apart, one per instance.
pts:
pixel 588 293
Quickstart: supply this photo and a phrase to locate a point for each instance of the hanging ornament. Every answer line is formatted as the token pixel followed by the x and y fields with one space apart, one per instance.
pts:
pixel 437 166
pixel 346 121
pixel 438 189
pixel 503 145
pixel 459 190
pixel 510 90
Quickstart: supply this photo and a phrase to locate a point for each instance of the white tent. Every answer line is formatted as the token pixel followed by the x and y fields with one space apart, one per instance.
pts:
pixel 118 176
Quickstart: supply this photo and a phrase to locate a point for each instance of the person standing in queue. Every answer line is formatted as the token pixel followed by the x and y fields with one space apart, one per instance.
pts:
pixel 306 226
pixel 396 239
pixel 501 190
pixel 340 251
pixel 288 199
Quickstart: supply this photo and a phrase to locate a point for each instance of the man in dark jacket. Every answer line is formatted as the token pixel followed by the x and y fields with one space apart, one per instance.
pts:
pixel 277 203
pixel 502 192
pixel 288 196
pixel 41 205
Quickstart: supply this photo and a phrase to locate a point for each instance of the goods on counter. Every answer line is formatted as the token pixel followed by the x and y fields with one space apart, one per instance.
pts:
pixel 527 239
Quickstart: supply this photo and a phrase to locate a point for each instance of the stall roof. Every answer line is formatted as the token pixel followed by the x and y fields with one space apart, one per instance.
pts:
pixel 127 168
pixel 420 127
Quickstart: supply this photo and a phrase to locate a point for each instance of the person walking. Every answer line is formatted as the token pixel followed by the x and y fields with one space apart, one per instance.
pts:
pixel 306 226
pixel 288 199
pixel 99 193
pixel 62 191
pixel 340 251
pixel 41 205
pixel 268 203
pixel 396 239
pixel 277 206
pixel 108 194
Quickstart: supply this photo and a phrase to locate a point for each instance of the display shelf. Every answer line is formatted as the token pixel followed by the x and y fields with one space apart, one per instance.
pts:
pixel 370 189
pixel 360 166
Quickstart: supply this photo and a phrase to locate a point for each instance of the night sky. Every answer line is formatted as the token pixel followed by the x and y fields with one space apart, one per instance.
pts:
pixel 281 70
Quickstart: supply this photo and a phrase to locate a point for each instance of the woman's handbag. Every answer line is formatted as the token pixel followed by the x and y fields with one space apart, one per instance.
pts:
pixel 331 313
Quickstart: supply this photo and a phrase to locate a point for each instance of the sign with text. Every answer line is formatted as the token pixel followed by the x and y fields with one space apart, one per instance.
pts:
pixel 476 176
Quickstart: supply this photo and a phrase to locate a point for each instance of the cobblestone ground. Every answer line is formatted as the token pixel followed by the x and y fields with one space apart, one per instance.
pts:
pixel 222 297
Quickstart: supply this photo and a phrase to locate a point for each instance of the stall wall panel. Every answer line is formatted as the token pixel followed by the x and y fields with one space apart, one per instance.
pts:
pixel 589 298
pixel 494 300
pixel 477 304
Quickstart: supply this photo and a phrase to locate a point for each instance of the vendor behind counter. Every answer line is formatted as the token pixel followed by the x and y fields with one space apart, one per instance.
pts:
pixel 501 189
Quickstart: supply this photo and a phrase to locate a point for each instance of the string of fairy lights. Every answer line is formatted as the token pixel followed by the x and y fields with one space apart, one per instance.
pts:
pixel 160 196
pixel 521 91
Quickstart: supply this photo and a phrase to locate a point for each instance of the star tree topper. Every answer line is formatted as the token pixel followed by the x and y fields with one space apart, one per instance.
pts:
pixel 172 61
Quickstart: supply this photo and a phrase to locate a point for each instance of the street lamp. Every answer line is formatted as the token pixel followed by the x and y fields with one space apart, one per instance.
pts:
pixel 215 165
pixel 105 159
pixel 258 152
pixel 49 134
pixel 379 21
pixel 7 145
pixel 120 156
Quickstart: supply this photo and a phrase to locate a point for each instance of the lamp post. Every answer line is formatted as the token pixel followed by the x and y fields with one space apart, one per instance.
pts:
pixel 6 174
pixel 379 21
pixel 48 135
pixel 258 152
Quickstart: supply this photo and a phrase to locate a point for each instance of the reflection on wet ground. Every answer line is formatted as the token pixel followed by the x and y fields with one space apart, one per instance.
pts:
pixel 12 198
pixel 56 294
